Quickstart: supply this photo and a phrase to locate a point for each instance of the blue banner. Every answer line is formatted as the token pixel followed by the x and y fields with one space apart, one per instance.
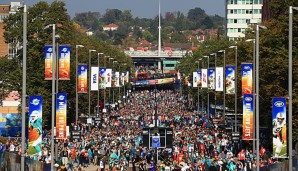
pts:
pixel 155 141
pixel 279 120
pixel 48 59
pixel 82 78
pixel 248 117
pixel 247 81
pixel 64 62
pixel 35 125
pixel 211 78
pixel 230 79
pixel 61 106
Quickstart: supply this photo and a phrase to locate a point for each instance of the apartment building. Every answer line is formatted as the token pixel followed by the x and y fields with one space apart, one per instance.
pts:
pixel 240 14
pixel 7 49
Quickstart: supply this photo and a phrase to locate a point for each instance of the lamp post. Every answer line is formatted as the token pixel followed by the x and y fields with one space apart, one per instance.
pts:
pixel 198 62
pixel 97 104
pixel 236 68
pixel 257 97
pixel 24 74
pixel 290 84
pixel 53 91
pixel 89 92
pixel 215 56
pixel 208 97
pixel 104 89
pixel 77 98
pixel 224 86
pixel 112 75
pixel 114 78
pixel 254 89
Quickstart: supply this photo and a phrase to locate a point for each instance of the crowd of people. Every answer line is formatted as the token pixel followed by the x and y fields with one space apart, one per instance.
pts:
pixel 115 142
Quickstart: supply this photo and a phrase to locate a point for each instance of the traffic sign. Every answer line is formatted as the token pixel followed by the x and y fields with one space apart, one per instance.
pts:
pixel 170 53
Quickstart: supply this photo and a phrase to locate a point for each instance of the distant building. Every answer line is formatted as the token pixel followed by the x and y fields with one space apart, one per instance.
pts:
pixel 89 33
pixel 241 13
pixel 9 49
pixel 110 27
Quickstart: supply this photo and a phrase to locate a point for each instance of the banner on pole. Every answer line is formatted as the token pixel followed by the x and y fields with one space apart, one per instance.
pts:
pixel 82 78
pixel 248 117
pixel 94 78
pixel 279 120
pixel 247 78
pixel 48 59
pixel 211 78
pixel 64 62
pixel 204 78
pixel 219 79
pixel 194 79
pixel 126 79
pixel 230 80
pixel 102 78
pixel 61 113
pixel 108 77
pixel 155 141
pixel 35 125
pixel 122 79
pixel 117 76
pixel 199 80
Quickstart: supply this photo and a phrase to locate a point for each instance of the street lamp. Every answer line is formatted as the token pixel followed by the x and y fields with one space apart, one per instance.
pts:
pixel 224 86
pixel 257 97
pixel 77 98
pixel 112 73
pixel 198 62
pixel 24 88
pixel 290 84
pixel 114 78
pixel 236 68
pixel 208 97
pixel 53 91
pixel 90 51
pixel 215 56
pixel 97 104
pixel 254 88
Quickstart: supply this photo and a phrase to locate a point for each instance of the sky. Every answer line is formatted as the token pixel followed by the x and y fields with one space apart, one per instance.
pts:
pixel 139 8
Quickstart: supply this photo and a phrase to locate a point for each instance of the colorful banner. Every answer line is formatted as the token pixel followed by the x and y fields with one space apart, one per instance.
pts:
pixel 10 124
pixel 126 78
pixel 64 62
pixel 211 78
pixel 48 59
pixel 194 79
pixel 102 78
pixel 94 78
pixel 82 78
pixel 279 120
pixel 219 79
pixel 199 80
pixel 247 70
pixel 204 78
pixel 156 81
pixel 248 117
pixel 117 82
pixel 108 78
pixel 61 106
pixel 35 125
pixel 230 79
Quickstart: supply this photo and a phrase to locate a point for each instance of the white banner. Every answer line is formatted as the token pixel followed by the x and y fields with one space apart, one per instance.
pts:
pixel 122 79
pixel 117 76
pixel 108 77
pixel 204 78
pixel 219 79
pixel 194 79
pixel 94 78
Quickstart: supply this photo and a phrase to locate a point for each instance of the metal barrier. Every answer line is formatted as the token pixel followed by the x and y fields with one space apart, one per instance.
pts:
pixel 12 162
pixel 281 166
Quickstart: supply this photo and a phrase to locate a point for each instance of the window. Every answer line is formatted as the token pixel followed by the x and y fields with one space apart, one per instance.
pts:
pixel 239 29
pixel 235 20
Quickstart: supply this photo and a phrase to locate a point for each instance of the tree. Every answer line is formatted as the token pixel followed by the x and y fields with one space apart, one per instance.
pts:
pixel 196 14
pixel 112 16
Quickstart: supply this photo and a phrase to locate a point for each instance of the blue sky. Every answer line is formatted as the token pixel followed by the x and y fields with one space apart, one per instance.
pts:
pixel 140 8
